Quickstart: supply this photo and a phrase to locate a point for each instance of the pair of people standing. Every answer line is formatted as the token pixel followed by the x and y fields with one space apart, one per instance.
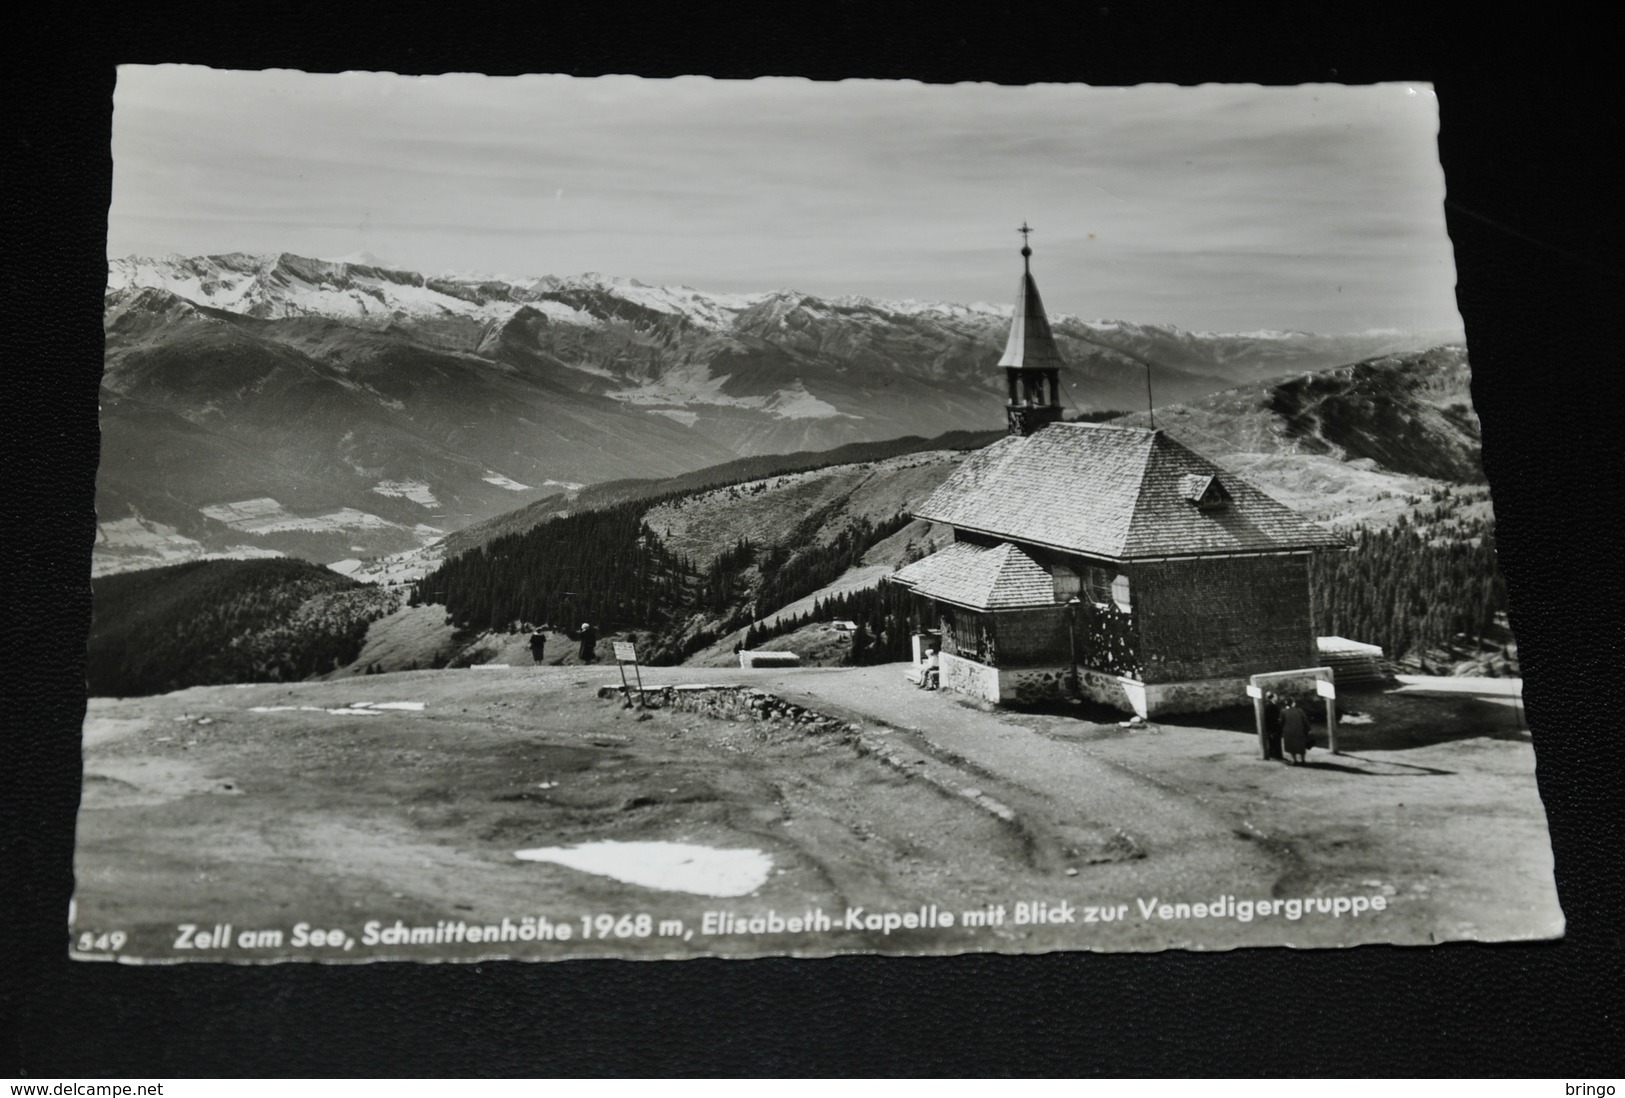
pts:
pixel 588 636
pixel 1286 729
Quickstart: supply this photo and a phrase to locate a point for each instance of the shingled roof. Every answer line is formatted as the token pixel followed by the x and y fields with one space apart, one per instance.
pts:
pixel 978 578
pixel 1118 493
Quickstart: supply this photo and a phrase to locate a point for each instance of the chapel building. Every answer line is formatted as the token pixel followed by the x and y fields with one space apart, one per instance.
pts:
pixel 1110 562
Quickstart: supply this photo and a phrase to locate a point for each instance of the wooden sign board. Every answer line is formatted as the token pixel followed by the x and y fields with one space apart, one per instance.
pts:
pixel 1325 689
pixel 1254 691
pixel 627 653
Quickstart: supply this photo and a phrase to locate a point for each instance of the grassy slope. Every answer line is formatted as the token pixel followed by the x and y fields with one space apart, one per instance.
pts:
pixel 765 511
pixel 733 472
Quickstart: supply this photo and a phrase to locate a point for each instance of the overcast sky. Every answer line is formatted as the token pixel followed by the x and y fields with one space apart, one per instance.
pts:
pixel 1220 207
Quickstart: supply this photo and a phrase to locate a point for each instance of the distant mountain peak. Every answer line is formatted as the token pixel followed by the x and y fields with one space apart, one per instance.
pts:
pixel 362 259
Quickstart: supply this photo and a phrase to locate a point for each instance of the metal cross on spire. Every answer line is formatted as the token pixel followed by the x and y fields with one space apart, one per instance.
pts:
pixel 1026 249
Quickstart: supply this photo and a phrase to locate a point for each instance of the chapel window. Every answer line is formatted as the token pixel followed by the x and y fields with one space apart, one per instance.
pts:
pixel 1067 582
pixel 1108 587
pixel 1120 594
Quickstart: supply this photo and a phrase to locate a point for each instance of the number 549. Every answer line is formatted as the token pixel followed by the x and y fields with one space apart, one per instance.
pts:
pixel 109 942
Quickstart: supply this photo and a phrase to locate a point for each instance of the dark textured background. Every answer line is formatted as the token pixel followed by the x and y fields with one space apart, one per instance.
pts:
pixel 1528 144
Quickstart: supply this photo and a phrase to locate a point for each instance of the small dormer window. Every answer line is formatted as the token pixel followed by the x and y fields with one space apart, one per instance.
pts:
pixel 1204 491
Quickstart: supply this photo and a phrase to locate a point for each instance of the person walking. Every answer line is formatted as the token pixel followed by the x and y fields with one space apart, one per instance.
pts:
pixel 538 646
pixel 589 642
pixel 1294 731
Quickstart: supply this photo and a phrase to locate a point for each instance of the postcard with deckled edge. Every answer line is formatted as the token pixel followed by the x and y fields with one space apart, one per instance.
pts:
pixel 545 518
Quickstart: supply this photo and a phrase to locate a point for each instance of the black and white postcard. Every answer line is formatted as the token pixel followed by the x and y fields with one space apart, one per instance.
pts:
pixel 545 517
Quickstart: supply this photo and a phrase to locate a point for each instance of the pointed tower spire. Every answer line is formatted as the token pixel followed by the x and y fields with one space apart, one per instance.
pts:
pixel 1032 362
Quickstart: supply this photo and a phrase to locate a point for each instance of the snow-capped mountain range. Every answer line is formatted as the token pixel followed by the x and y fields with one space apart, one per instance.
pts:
pixel 271 286
pixel 332 408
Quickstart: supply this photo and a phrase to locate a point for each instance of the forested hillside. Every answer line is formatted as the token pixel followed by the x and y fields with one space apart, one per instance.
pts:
pixel 1427 589
pixel 883 616
pixel 610 568
pixel 219 621
pixel 606 567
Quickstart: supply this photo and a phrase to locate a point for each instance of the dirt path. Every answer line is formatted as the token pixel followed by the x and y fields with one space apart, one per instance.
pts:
pixel 1185 842
pixel 1432 804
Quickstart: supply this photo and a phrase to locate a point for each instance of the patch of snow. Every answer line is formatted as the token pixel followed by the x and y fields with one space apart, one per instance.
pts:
pixel 503 482
pixel 281 286
pixel 245 514
pixel 406 566
pixel 567 314
pixel 242 552
pixel 266 516
pixel 685 385
pixel 363 259
pixel 414 490
pixel 686 418
pixel 708 310
pixel 130 543
pixel 1270 334
pixel 668 867
pixel 152 537
pixel 797 403
pixel 685 388
pixel 358 709
pixel 911 307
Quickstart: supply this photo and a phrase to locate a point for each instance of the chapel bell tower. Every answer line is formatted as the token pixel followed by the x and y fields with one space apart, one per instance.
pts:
pixel 1032 363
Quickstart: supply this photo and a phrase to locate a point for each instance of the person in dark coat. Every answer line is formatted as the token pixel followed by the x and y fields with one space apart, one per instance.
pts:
pixel 589 642
pixel 1294 731
pixel 538 645
pixel 1272 725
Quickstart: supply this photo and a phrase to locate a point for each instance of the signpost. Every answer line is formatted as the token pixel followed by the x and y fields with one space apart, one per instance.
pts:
pixel 627 653
pixel 1325 687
